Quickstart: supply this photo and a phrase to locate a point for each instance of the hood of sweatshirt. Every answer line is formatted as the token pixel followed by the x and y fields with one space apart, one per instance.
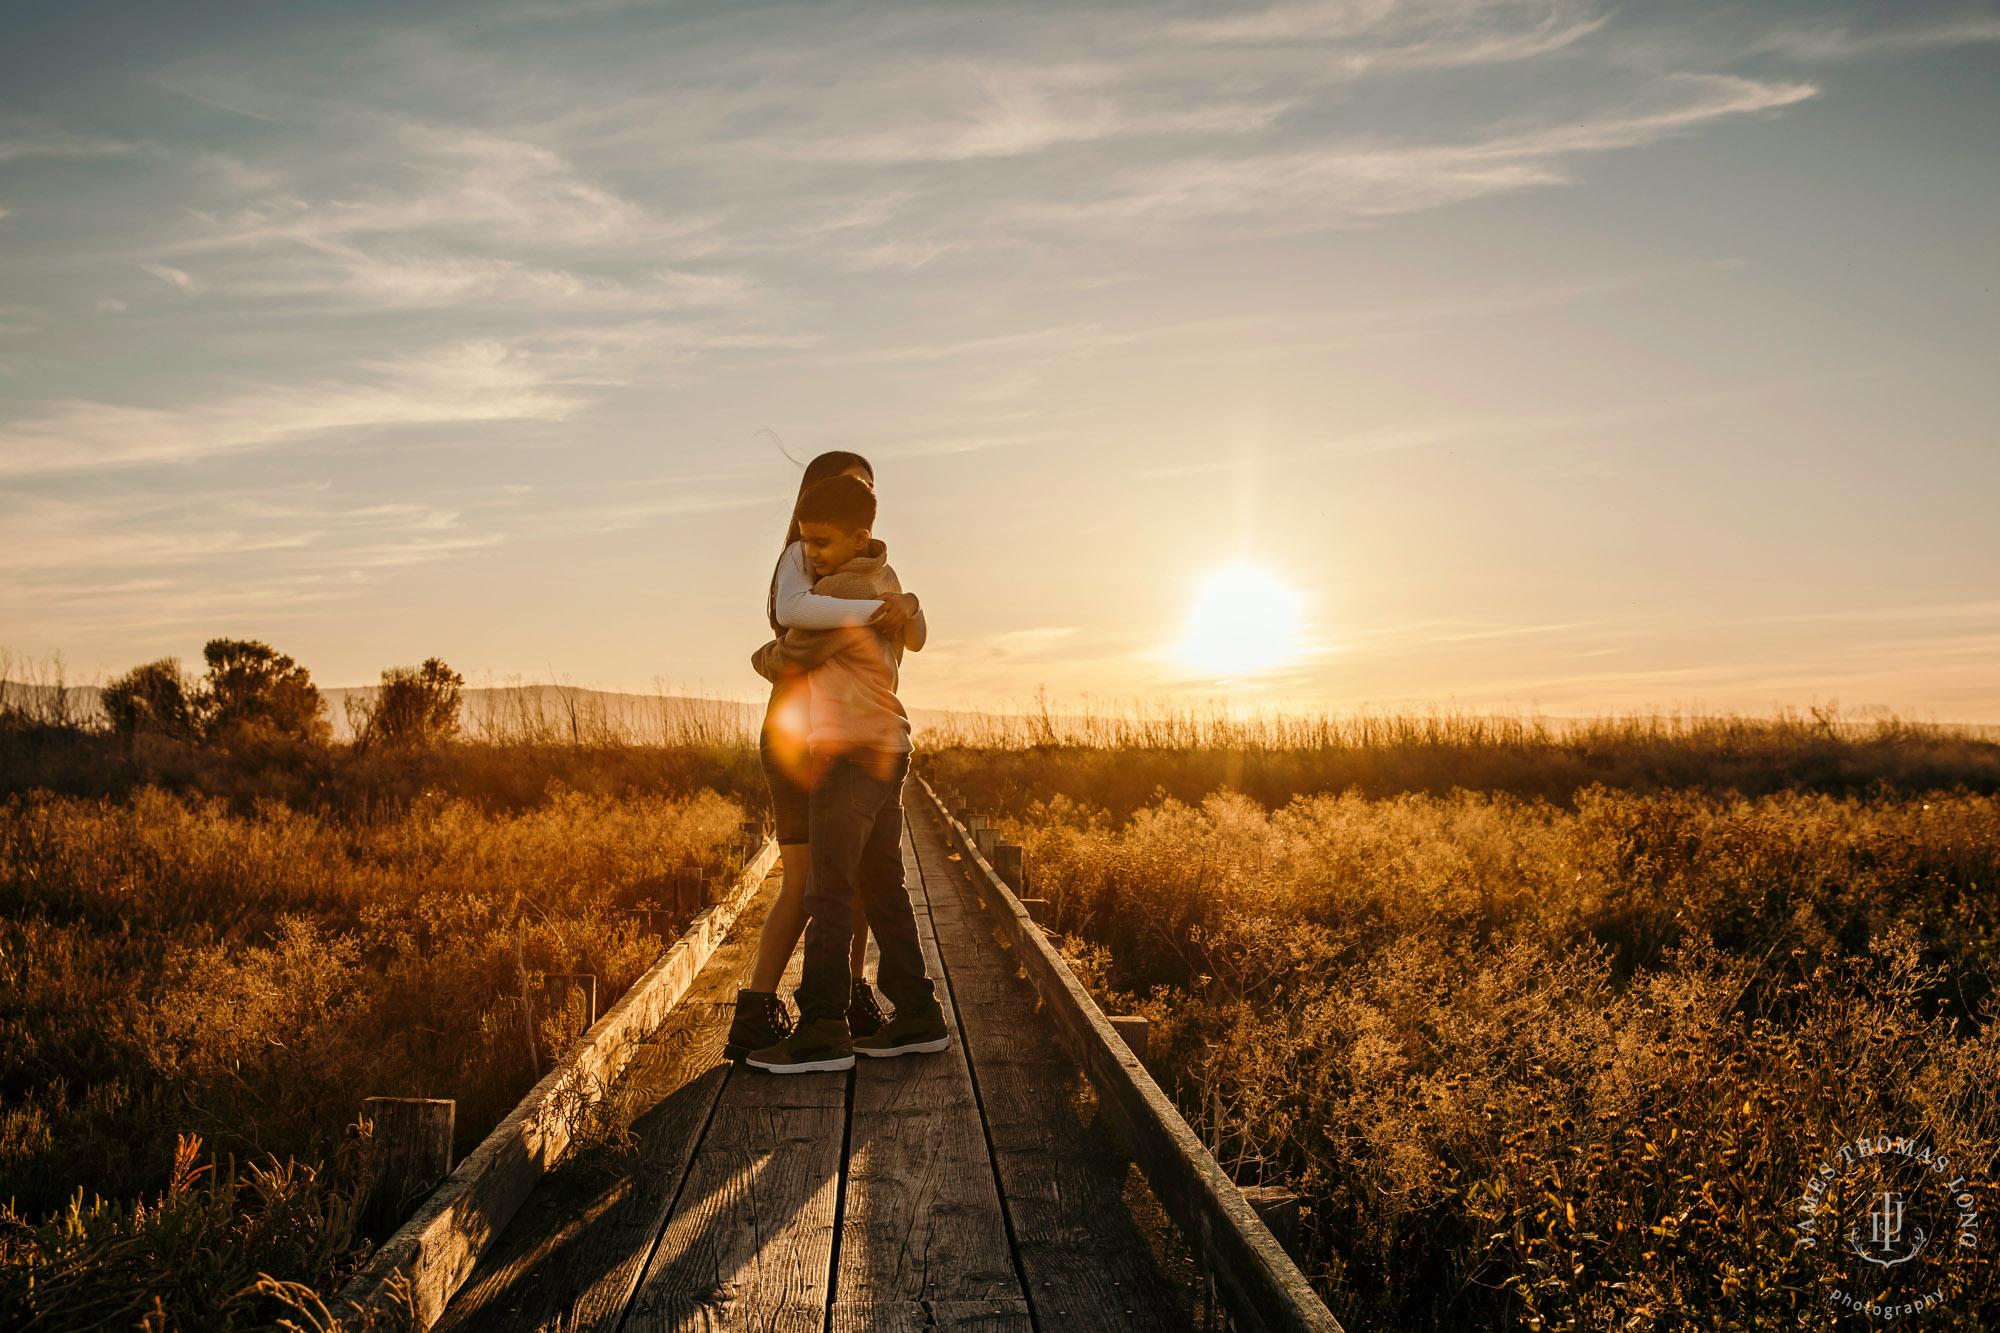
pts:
pixel 857 577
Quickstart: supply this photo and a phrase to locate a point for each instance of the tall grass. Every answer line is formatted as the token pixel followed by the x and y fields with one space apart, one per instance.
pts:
pixel 1457 979
pixel 1559 1059
pixel 237 949
pixel 1125 758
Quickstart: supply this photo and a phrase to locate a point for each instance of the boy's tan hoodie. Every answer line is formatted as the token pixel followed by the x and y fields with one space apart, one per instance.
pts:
pixel 853 672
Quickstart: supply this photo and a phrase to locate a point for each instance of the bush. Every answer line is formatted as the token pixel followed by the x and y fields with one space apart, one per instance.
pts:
pixel 1535 1067
pixel 171 965
pixel 156 699
pixel 194 1258
pixel 253 692
pixel 413 708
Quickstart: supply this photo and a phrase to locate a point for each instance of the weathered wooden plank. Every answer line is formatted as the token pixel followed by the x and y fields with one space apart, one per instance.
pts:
pixel 1259 1284
pixel 922 1228
pixel 1085 1263
pixel 750 1245
pixel 439 1247
pixel 573 1254
pixel 994 1316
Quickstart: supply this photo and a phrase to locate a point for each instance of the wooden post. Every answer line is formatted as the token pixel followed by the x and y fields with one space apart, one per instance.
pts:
pixel 556 989
pixel 1133 1028
pixel 1279 1209
pixel 1007 864
pixel 409 1152
pixel 753 837
pixel 1038 909
pixel 987 839
pixel 688 894
pixel 527 1004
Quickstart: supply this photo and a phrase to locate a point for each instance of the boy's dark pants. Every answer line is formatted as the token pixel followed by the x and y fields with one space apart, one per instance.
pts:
pixel 857 836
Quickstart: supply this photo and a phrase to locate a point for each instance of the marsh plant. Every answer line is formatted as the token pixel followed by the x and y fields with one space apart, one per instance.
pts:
pixel 178 971
pixel 1550 1064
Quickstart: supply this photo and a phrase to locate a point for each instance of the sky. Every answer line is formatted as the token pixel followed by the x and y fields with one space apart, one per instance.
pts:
pixel 1544 356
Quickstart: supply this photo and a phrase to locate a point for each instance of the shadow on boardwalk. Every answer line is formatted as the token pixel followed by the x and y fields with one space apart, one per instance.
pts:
pixel 968 1190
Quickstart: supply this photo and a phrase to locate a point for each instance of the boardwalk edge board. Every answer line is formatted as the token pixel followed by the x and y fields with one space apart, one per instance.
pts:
pixel 439 1246
pixel 1257 1281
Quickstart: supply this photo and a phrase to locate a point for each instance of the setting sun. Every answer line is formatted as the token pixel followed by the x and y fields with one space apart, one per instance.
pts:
pixel 1244 620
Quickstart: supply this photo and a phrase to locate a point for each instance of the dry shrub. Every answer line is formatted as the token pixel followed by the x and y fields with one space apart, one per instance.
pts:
pixel 190 1258
pixel 173 965
pixel 1124 759
pixel 1531 1066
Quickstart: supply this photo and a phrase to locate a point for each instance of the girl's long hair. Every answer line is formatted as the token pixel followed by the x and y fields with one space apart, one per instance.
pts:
pixel 829 464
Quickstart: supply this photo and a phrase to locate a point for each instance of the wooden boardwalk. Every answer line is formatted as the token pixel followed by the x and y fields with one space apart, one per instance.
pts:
pixel 974 1189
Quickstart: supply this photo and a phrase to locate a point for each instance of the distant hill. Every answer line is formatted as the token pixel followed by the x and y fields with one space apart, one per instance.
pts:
pixel 564 714
pixel 552 714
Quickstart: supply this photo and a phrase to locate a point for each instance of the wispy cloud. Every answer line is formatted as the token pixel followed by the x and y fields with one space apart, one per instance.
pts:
pixel 547 378
pixel 448 217
pixel 865 143
pixel 506 188
pixel 1063 341
pixel 1429 33
pixel 1834 41
pixel 985 112
pixel 38 136
pixel 473 381
pixel 1485 428
pixel 1324 185
pixel 142 532
pixel 573 255
pixel 173 277
pixel 145 566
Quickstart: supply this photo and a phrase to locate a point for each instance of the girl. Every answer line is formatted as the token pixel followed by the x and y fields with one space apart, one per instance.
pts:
pixel 762 1019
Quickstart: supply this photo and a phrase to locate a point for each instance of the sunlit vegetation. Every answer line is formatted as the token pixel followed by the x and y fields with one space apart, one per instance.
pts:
pixel 219 933
pixel 1546 1026
pixel 1542 1020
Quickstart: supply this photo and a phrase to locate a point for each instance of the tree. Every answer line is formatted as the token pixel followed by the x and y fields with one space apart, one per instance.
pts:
pixel 157 698
pixel 414 707
pixel 254 692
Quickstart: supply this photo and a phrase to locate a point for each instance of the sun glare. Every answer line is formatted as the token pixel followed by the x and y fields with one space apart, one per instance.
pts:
pixel 1244 620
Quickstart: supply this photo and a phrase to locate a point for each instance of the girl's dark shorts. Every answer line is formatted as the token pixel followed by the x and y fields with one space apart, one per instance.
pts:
pixel 790 808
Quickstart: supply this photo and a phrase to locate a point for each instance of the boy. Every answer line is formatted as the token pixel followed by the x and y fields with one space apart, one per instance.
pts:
pixel 859 743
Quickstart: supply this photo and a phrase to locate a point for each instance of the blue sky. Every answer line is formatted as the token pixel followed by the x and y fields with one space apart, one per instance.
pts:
pixel 1558 355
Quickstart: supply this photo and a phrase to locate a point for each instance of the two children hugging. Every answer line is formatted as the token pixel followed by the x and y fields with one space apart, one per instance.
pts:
pixel 836 750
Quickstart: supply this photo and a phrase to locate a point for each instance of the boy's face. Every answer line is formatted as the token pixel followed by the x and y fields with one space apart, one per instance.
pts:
pixel 828 548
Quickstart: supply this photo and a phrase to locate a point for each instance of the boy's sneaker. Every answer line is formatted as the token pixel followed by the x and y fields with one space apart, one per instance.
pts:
pixel 821 1043
pixel 918 1032
pixel 761 1020
pixel 864 1016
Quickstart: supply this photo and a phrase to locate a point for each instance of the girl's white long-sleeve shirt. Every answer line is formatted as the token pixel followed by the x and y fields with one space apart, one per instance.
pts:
pixel 793 603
